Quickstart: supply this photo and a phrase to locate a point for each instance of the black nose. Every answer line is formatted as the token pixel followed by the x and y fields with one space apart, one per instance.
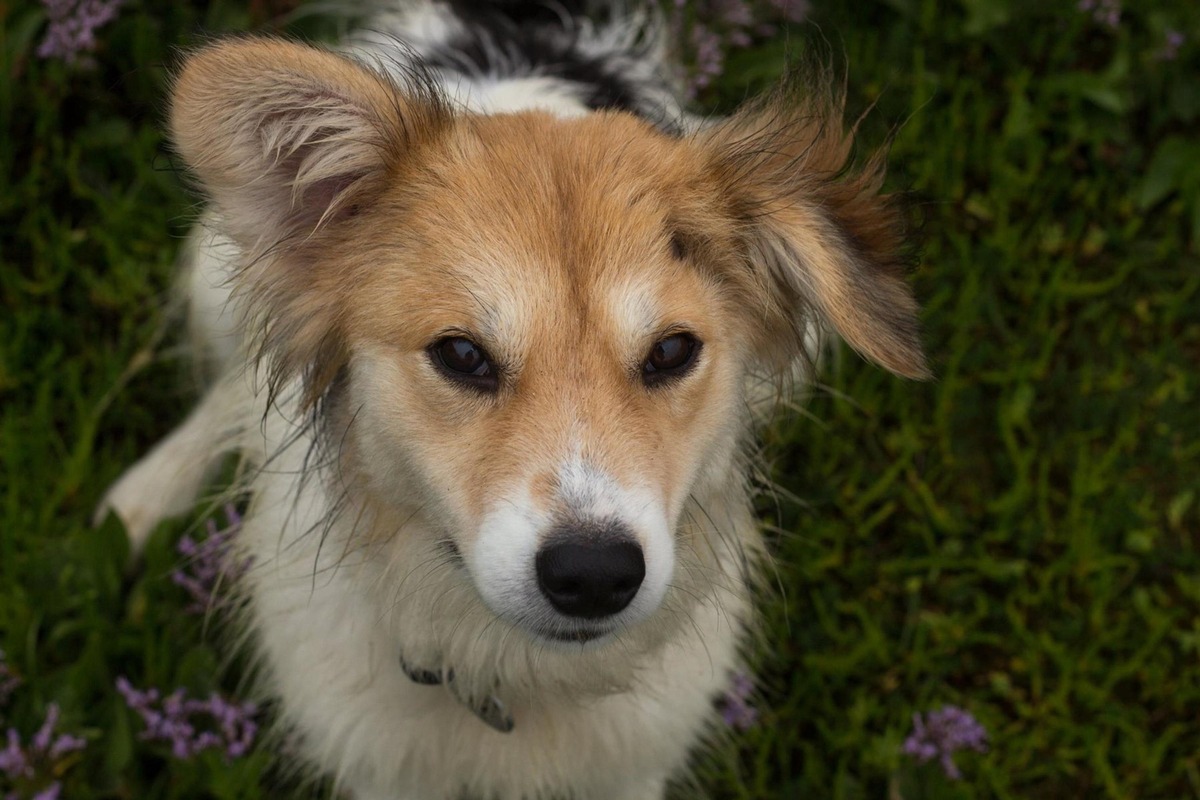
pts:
pixel 590 580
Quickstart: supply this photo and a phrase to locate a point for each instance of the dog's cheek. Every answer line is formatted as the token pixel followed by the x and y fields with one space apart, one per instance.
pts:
pixel 704 428
pixel 401 461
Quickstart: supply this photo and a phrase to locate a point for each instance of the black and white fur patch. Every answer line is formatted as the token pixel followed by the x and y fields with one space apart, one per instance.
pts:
pixel 580 56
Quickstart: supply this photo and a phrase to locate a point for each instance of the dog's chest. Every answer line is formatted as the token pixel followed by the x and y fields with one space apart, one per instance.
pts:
pixel 336 646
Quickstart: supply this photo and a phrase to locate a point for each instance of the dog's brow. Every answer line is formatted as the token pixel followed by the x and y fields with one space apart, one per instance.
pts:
pixel 634 306
pixel 493 311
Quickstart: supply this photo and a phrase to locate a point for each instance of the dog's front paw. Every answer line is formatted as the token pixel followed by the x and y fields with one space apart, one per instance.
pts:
pixel 139 500
pixel 159 486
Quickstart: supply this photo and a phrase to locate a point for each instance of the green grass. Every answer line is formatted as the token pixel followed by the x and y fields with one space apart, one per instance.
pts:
pixel 1020 536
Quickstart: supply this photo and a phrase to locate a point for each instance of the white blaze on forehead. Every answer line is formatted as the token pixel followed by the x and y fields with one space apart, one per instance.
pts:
pixel 491 301
pixel 633 306
pixel 588 492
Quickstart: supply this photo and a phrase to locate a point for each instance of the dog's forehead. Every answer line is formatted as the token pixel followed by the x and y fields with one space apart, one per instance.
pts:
pixel 581 188
pixel 561 221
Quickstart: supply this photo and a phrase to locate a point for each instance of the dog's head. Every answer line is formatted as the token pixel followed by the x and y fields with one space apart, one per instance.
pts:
pixel 546 326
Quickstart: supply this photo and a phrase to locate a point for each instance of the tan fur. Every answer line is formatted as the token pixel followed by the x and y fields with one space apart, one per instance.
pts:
pixel 817 231
pixel 286 138
pixel 765 196
pixel 373 220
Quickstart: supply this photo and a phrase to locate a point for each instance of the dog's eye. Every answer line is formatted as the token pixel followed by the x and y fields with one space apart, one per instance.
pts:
pixel 462 360
pixel 671 357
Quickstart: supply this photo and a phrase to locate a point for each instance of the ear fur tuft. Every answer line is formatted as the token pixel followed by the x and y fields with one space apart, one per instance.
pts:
pixel 288 141
pixel 815 230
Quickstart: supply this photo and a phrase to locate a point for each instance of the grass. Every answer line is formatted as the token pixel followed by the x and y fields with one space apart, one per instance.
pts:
pixel 1020 537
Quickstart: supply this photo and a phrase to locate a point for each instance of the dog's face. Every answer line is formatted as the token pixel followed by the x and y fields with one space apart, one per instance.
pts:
pixel 547 325
pixel 535 342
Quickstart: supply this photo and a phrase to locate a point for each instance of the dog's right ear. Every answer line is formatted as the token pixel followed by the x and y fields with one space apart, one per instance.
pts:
pixel 817 235
pixel 286 137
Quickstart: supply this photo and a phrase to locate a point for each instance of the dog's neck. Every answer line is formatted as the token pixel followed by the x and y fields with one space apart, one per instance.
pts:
pixel 491 711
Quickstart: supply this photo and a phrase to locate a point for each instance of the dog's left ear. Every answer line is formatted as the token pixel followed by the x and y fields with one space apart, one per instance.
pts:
pixel 292 143
pixel 814 230
pixel 285 137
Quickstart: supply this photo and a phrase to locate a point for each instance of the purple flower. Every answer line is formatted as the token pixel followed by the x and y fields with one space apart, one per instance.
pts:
pixel 209 562
pixel 73 23
pixel 732 12
pixel 1172 41
pixel 1105 12
pixel 792 10
pixel 735 707
pixel 190 726
pixel 941 734
pixel 40 757
pixel 710 28
pixel 710 56
pixel 14 762
pixel 41 739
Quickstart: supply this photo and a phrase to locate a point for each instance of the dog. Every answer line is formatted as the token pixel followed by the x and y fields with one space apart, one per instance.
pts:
pixel 489 315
